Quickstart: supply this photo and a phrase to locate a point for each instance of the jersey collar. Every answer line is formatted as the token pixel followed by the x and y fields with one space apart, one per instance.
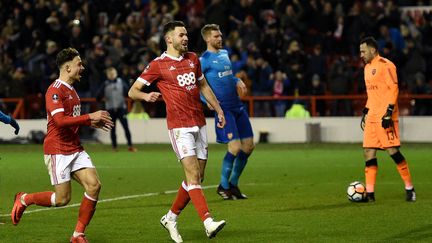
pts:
pixel 66 84
pixel 376 58
pixel 165 54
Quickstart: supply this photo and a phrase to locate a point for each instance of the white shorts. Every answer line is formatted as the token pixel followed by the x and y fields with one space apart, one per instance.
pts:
pixel 189 141
pixel 60 166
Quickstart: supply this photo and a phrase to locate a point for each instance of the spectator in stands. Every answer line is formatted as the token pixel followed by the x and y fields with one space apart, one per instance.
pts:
pixel 340 84
pixel 137 112
pixel 259 71
pixel 318 88
pixel 217 12
pixel 297 111
pixel 392 35
pixel 414 63
pixel 280 85
pixel 293 63
pixel 291 18
pixel 316 62
pixel 421 107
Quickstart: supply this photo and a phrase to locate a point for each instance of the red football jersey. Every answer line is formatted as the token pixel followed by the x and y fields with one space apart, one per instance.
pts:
pixel 177 80
pixel 62 99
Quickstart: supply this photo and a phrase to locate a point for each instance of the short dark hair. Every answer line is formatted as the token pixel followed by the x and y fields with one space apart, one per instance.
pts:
pixel 66 55
pixel 207 28
pixel 369 41
pixel 170 26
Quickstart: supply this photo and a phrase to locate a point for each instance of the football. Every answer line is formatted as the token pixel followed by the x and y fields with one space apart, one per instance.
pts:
pixel 356 191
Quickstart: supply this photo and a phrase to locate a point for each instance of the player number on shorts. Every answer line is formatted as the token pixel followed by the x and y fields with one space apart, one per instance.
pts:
pixel 391 135
pixel 186 79
pixel 76 110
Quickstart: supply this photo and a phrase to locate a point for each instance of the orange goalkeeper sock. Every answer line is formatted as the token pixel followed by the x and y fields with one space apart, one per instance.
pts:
pixel 403 169
pixel 197 196
pixel 39 198
pixel 405 174
pixel 371 170
pixel 86 211
pixel 182 199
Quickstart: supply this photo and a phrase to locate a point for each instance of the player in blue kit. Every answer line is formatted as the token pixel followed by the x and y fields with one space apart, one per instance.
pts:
pixel 9 120
pixel 237 132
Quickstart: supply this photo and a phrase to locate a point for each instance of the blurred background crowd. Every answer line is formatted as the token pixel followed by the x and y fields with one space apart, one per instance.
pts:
pixel 278 47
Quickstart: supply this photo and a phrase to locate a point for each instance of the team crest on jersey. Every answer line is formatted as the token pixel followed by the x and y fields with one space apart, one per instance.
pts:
pixel 230 135
pixel 70 97
pixel 373 71
pixel 191 64
pixel 55 98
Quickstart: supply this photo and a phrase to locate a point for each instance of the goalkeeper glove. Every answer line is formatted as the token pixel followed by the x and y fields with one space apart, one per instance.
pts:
pixel 15 125
pixel 363 120
pixel 386 120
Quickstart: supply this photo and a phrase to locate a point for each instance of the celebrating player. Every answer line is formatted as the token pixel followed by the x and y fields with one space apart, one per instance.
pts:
pixel 238 134
pixel 9 120
pixel 177 74
pixel 380 117
pixel 65 158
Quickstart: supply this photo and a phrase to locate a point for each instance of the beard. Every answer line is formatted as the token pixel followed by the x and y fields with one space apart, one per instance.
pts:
pixel 180 47
pixel 77 77
pixel 217 45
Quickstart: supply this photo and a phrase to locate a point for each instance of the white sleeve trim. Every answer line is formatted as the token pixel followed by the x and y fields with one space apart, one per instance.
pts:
pixel 57 111
pixel 143 81
pixel 201 78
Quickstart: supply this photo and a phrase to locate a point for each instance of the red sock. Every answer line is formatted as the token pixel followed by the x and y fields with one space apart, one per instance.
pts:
pixel 197 196
pixel 405 174
pixel 39 198
pixel 370 174
pixel 86 211
pixel 181 200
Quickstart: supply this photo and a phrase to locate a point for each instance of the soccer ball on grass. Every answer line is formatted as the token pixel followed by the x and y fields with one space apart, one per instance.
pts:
pixel 356 191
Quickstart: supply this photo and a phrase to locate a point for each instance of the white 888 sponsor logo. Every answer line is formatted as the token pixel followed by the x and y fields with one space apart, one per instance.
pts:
pixel 186 79
pixel 76 110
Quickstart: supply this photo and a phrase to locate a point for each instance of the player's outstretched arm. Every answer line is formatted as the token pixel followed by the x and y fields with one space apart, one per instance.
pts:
pixel 15 125
pixel 135 93
pixel 9 120
pixel 241 88
pixel 101 119
pixel 212 100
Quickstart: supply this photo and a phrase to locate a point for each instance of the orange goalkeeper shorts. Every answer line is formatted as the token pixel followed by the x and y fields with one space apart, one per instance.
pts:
pixel 375 136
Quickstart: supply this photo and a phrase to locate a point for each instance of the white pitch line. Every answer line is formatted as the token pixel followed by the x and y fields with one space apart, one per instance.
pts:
pixel 108 200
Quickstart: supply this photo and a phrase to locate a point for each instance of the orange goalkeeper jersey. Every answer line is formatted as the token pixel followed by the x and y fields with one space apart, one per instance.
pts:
pixel 382 88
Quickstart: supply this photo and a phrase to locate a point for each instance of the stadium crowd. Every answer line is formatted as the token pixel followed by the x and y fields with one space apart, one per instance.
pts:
pixel 278 47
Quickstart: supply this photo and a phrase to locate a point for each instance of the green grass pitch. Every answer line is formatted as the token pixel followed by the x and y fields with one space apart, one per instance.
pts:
pixel 297 193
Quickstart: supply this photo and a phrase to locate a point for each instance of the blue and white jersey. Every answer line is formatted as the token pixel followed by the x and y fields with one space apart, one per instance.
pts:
pixel 217 69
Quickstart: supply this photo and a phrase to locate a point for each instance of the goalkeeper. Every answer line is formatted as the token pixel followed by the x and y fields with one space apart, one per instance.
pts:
pixel 380 117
